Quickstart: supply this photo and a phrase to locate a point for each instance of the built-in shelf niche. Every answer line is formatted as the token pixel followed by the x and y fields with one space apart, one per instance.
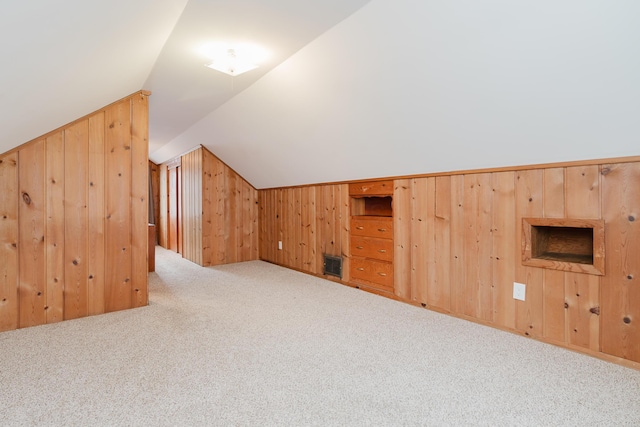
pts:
pixel 564 244
pixel 372 206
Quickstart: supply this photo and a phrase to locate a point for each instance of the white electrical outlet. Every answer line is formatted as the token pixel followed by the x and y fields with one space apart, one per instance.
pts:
pixel 279 245
pixel 519 291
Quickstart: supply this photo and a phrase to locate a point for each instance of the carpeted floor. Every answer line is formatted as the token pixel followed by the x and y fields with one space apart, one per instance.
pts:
pixel 253 344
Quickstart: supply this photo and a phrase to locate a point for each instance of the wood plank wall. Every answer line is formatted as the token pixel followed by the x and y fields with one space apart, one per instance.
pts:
pixel 154 176
pixel 309 221
pixel 458 248
pixel 192 209
pixel 162 219
pixel 73 219
pixel 219 211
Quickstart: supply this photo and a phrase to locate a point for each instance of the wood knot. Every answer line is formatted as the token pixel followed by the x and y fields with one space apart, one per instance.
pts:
pixel 566 305
pixel 112 125
pixel 26 198
pixel 46 307
pixel 39 294
pixel 595 310
pixel 75 262
pixel 605 170
pixel 126 280
pixel 423 305
pixel 627 320
pixel 91 276
pixel 127 147
pixel 137 290
pixel 531 199
pixel 632 218
pixel 630 277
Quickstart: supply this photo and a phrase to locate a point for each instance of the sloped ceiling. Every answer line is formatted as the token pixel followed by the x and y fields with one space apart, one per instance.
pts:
pixel 354 89
pixel 184 90
pixel 410 87
pixel 64 59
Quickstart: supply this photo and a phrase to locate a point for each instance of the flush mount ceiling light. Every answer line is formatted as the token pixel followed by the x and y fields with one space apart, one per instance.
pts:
pixel 233 60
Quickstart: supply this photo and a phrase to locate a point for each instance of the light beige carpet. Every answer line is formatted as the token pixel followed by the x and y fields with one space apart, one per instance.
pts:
pixel 254 344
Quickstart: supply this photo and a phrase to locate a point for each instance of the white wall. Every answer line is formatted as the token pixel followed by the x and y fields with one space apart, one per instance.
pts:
pixel 64 59
pixel 417 86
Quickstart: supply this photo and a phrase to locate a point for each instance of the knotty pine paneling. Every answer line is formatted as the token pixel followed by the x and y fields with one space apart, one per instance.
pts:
pixel 139 200
pixel 219 211
pixel 118 219
pixel 9 197
pixel 553 289
pixel 154 176
pixel 477 290
pixel 620 286
pixel 528 203
pixel 402 238
pixel 162 219
pixel 73 219
pixel 456 238
pixel 76 220
pixel 32 235
pixel 582 291
pixel 96 221
pixel 458 248
pixel 503 257
pixel 191 164
pixel 439 288
pixel 56 180
pixel 310 221
pixel 230 217
pixel 423 247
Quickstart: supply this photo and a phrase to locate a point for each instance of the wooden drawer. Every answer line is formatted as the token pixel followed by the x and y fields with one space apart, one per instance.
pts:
pixel 373 272
pixel 376 188
pixel 381 228
pixel 371 247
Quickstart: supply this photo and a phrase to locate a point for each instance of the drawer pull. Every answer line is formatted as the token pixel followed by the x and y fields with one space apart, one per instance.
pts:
pixel 382 230
pixel 360 269
pixel 359 247
pixel 382 251
pixel 382 274
pixel 360 227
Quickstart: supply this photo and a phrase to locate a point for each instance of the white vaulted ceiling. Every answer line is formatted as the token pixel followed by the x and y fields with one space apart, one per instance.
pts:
pixel 353 89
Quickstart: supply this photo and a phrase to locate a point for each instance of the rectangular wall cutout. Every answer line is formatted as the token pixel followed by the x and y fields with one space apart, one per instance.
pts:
pixel 372 206
pixel 564 244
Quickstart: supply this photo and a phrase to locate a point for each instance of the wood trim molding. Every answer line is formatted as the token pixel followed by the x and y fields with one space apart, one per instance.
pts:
pixel 562 258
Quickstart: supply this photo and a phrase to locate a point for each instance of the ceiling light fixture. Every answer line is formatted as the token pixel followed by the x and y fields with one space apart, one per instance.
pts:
pixel 233 64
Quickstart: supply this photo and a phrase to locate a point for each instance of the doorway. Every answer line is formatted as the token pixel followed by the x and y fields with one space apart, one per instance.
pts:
pixel 174 229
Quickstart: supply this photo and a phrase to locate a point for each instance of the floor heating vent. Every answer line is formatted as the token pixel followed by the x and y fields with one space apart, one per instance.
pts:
pixel 333 265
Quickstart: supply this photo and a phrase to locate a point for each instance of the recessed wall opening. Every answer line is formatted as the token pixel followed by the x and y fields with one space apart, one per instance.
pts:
pixel 564 244
pixel 372 206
